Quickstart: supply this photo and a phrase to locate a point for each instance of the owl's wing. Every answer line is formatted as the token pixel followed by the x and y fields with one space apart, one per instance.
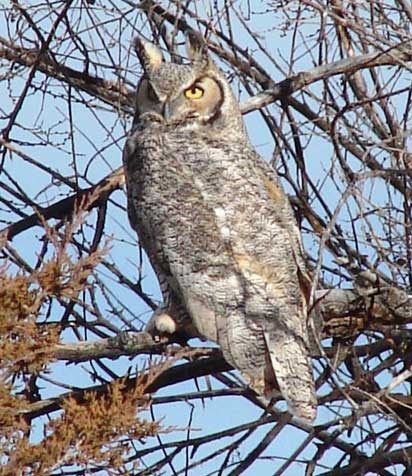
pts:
pixel 288 221
pixel 262 315
pixel 288 346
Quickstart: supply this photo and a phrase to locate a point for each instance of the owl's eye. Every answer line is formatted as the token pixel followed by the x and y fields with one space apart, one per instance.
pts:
pixel 194 92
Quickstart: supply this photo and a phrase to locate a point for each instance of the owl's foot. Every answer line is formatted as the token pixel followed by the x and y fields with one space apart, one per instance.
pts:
pixel 161 326
pixel 165 328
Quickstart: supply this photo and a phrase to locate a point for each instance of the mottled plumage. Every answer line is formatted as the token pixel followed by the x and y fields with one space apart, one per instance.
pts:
pixel 217 226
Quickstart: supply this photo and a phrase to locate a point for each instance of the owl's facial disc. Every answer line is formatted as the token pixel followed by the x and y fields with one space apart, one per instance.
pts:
pixel 198 100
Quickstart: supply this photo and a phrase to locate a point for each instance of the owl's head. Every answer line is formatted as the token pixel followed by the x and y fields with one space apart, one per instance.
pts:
pixel 190 95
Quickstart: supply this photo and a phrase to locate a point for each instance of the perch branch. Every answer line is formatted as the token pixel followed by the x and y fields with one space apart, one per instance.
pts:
pixel 389 307
pixel 345 314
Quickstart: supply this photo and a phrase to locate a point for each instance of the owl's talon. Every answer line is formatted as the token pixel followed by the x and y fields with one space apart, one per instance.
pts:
pixel 160 324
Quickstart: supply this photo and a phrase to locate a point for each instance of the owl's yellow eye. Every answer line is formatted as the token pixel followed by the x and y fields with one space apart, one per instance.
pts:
pixel 194 92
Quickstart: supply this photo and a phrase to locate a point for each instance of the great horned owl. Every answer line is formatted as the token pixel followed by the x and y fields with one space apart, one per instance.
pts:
pixel 217 226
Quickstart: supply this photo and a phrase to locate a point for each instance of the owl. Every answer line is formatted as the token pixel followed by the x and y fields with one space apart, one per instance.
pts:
pixel 217 226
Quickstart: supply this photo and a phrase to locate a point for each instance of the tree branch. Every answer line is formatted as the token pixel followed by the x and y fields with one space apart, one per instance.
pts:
pixel 345 314
pixel 346 66
pixel 376 462
pixel 86 199
pixel 111 93
pixel 119 95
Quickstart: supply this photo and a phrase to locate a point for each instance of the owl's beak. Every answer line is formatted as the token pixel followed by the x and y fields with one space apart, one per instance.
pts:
pixel 173 107
pixel 166 111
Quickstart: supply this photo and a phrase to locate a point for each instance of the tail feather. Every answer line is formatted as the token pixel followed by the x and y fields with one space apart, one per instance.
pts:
pixel 291 365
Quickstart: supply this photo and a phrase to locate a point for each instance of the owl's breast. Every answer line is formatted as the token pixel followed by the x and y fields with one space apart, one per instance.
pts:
pixel 201 191
pixel 170 204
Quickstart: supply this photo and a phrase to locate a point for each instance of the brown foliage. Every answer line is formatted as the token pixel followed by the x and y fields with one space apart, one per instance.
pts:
pixel 95 431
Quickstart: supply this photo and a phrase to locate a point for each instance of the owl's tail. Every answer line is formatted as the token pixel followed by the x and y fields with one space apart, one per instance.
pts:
pixel 289 359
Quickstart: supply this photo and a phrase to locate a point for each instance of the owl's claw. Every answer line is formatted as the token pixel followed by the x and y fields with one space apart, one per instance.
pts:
pixel 165 329
pixel 160 324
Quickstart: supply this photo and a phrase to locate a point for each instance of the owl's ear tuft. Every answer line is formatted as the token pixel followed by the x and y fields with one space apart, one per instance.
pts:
pixel 196 47
pixel 149 55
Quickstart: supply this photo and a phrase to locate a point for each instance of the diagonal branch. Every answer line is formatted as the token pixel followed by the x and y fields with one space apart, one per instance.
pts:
pixel 109 92
pixel 346 66
pixel 171 376
pixel 377 462
pixel 87 199
pixel 119 95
